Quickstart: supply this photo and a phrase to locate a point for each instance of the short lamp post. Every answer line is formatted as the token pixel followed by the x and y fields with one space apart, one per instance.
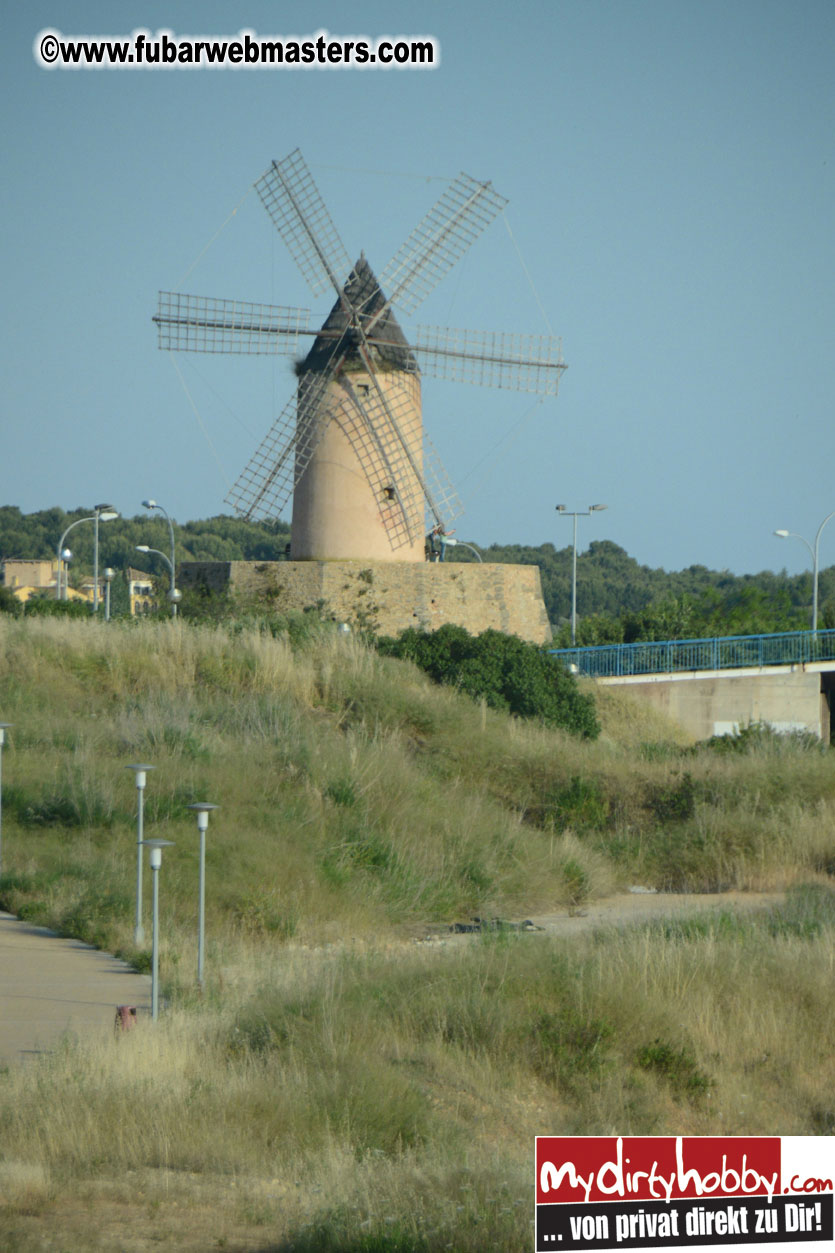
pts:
pixel 4 726
pixel 64 558
pixel 174 595
pixel 561 509
pixel 108 579
pixel 140 770
pixel 202 809
pixel 815 554
pixel 155 848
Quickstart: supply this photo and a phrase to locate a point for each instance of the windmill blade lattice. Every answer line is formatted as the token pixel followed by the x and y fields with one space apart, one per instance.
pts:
pixel 439 240
pixel 524 363
pixel 292 199
pixel 381 457
pixel 264 487
pixel 204 324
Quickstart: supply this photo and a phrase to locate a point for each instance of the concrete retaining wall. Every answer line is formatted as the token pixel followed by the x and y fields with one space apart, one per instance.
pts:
pixel 789 698
pixel 389 596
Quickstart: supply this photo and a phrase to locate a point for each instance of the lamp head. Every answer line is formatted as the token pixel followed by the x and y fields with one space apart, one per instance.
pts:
pixel 597 508
pixel 66 555
pixel 149 504
pixel 155 848
pixel 782 534
pixel 140 769
pixel 203 809
pixel 560 508
pixel 106 513
pixel 142 548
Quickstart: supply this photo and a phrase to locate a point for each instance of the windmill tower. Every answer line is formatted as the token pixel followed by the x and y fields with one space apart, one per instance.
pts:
pixel 350 445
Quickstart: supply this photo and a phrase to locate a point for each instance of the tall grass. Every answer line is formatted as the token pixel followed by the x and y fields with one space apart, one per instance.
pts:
pixel 338 1086
pixel 332 1096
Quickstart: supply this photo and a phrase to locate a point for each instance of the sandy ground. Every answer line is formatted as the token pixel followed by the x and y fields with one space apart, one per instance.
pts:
pixel 622 910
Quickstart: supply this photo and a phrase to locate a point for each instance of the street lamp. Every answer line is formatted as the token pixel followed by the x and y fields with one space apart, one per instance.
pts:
pixel 140 770
pixel 460 543
pixel 109 574
pixel 173 595
pixel 64 556
pixel 4 726
pixel 561 509
pixel 202 809
pixel 155 848
pixel 815 552
pixel 102 513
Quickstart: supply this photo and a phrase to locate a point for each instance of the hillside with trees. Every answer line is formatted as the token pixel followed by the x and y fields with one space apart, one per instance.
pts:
pixel 618 599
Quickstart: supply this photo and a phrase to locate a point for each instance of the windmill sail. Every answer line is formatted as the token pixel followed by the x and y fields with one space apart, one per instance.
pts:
pixel 292 199
pixel 204 324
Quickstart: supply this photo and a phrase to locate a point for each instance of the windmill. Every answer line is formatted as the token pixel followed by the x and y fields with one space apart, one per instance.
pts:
pixel 350 445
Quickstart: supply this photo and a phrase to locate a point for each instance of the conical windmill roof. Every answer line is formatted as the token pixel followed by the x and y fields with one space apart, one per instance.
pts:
pixel 389 345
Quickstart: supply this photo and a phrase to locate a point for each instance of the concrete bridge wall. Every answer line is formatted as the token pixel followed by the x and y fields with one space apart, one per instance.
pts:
pixel 706 703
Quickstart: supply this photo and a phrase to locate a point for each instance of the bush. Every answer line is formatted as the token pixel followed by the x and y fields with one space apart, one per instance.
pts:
pixel 9 602
pixel 508 673
pixel 47 607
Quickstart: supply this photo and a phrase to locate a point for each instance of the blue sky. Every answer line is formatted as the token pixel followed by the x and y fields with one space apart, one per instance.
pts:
pixel 670 168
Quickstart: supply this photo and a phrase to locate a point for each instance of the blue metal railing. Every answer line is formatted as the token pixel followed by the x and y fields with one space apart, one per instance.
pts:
pixel 725 653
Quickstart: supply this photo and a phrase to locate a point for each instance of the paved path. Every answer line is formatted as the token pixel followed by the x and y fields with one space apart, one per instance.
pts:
pixel 50 985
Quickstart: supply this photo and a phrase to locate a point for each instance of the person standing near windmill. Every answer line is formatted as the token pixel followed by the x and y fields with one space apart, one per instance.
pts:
pixel 436 543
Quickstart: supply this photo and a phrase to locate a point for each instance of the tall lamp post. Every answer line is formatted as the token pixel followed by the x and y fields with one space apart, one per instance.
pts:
pixel 565 513
pixel 140 769
pixel 4 726
pixel 815 553
pixel 202 809
pixel 102 513
pixel 172 564
pixel 155 848
pixel 174 595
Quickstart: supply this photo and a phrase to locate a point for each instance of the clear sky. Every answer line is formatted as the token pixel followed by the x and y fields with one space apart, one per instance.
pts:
pixel 670 168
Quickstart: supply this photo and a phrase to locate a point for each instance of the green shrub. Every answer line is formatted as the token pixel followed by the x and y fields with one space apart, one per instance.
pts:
pixel 9 602
pixel 677 1066
pixel 581 805
pixel 46 607
pixel 758 736
pixel 508 673
pixel 568 1045
pixel 675 802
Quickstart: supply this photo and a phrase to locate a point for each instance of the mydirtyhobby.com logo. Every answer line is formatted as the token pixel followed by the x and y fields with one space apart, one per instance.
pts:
pixel 635 1192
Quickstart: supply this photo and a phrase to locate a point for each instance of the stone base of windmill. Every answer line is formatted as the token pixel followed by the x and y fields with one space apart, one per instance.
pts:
pixel 387 596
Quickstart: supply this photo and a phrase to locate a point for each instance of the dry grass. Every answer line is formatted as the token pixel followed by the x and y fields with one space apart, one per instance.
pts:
pixel 328 1096
pixel 340 1087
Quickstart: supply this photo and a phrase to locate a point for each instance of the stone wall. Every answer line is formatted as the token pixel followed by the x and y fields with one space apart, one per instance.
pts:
pixel 389 596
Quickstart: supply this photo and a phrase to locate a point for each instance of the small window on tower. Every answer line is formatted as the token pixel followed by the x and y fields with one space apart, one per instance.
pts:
pixel 388 493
